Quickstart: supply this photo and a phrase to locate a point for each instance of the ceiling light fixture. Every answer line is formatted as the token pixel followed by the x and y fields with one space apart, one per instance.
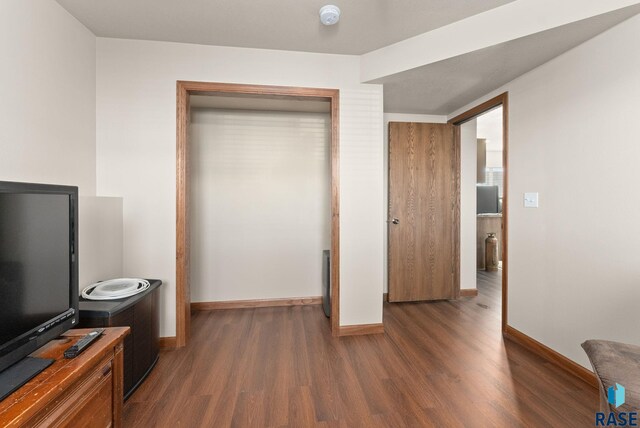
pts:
pixel 329 14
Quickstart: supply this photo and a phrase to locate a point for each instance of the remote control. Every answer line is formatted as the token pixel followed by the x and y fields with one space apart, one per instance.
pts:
pixel 82 344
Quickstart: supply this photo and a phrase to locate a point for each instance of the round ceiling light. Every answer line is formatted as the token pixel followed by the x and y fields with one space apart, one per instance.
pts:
pixel 329 14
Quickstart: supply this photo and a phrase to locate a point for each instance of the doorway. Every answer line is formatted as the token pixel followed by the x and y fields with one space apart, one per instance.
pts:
pixel 484 208
pixel 184 92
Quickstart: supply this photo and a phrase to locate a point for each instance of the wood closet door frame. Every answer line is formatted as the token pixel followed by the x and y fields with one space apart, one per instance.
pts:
pixel 184 90
pixel 500 100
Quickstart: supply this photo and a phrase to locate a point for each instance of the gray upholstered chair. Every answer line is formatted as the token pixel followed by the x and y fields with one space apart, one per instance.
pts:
pixel 613 363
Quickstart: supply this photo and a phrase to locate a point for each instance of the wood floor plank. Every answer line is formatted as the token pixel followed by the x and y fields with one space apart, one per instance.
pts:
pixel 301 408
pixel 439 364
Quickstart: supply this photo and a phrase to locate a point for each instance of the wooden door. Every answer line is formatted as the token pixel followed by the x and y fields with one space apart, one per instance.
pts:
pixel 424 212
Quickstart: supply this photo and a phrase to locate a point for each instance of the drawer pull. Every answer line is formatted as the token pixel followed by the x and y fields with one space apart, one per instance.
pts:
pixel 106 369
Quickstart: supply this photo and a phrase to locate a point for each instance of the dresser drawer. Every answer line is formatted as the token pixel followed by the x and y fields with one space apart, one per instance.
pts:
pixel 88 405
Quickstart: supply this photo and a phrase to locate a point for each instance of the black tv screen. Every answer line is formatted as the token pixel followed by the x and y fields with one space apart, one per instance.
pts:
pixel 38 267
pixel 487 199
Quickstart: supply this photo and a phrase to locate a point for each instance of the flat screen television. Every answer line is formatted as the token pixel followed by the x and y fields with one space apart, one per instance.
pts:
pixel 38 267
pixel 488 200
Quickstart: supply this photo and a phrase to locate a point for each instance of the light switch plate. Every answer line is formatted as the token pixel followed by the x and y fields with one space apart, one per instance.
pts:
pixel 531 200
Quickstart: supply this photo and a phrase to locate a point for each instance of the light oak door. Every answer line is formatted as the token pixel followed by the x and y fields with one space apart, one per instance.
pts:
pixel 424 212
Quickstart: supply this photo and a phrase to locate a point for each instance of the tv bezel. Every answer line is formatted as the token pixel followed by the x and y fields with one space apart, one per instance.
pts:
pixel 19 347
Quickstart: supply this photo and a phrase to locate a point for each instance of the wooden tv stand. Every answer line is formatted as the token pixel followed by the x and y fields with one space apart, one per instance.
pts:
pixel 83 391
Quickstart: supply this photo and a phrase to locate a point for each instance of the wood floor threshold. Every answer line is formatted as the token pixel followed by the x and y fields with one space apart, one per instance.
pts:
pixel 361 329
pixel 167 343
pixel 549 354
pixel 256 303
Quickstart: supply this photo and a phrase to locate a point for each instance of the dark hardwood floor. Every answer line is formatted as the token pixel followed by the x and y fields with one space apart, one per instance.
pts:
pixel 441 364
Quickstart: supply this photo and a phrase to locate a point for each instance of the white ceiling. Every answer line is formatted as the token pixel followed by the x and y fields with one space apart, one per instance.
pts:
pixel 437 88
pixel 445 86
pixel 283 24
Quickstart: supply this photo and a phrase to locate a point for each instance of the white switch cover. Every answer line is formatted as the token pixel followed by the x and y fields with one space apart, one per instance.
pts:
pixel 531 200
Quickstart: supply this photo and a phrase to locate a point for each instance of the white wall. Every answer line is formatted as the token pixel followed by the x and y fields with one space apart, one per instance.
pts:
pixel 468 194
pixel 396 117
pixel 136 139
pixel 47 106
pixel 490 128
pixel 47 116
pixel 574 264
pixel 260 203
pixel 100 236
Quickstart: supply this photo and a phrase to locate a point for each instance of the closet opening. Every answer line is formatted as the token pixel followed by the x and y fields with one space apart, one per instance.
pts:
pixel 257 198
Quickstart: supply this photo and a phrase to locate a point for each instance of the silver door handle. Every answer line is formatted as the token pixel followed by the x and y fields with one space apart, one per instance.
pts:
pixel 395 221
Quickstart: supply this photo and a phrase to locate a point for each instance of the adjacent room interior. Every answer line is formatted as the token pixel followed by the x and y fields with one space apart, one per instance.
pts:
pixel 489 203
pixel 326 214
pixel 482 182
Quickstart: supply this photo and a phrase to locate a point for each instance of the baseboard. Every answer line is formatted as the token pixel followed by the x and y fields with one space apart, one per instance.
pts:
pixel 467 292
pixel 361 329
pixel 549 354
pixel 166 343
pixel 256 303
